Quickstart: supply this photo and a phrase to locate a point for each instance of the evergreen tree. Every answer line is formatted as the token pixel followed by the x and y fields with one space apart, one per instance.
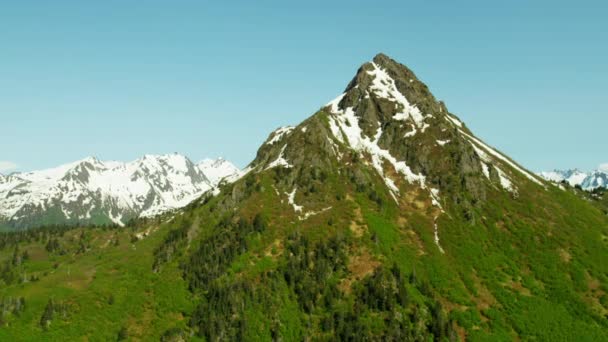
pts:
pixel 47 315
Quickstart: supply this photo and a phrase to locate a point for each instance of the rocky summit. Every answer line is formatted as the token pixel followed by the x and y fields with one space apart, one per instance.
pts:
pixel 382 216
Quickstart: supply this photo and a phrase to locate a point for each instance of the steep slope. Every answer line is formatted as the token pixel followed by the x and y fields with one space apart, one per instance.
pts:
pixel 380 217
pixel 93 192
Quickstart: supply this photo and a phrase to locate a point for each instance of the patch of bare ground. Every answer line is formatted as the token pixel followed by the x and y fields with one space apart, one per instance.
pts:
pixel 359 266
pixel 461 332
pixel 356 225
pixel 136 327
pixel 484 299
pixel 193 232
pixel 518 287
pixel 79 281
pixel 564 255
pixel 274 249
pixel 413 237
pixel 594 293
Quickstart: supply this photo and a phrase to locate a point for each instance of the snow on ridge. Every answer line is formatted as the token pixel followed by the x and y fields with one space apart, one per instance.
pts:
pixel 453 120
pixel 555 176
pixel 481 148
pixel 498 155
pixel 505 182
pixel 383 85
pixel 344 125
pixel 279 133
pixel 147 186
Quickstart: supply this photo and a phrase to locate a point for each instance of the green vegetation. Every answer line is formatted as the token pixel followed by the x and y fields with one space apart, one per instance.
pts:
pixel 367 269
pixel 322 250
pixel 101 292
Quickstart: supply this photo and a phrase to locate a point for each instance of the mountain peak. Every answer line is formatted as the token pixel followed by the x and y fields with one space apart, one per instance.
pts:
pixel 386 79
pixel 391 121
pixel 386 62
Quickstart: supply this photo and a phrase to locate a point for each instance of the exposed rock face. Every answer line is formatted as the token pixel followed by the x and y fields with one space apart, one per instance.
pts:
pixel 386 167
pixel 389 119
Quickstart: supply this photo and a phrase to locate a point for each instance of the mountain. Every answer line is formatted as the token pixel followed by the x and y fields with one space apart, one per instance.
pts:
pixel 380 217
pixel 90 191
pixel 596 179
pixel 217 169
pixel 586 180
pixel 383 216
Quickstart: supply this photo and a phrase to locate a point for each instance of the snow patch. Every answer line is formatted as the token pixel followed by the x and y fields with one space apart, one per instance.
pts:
pixel 384 86
pixel 280 161
pixel 485 160
pixel 485 169
pixel 435 200
pixel 455 121
pixel 291 200
pixel 436 235
pixel 346 125
pixel 116 219
pixel 504 181
pixel 278 134
pixel 411 133
pixel 312 213
pixel 503 158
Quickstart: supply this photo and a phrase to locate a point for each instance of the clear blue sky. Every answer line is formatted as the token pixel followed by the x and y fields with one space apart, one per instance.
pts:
pixel 119 79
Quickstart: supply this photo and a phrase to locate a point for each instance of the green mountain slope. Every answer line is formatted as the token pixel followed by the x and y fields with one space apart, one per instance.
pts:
pixel 381 217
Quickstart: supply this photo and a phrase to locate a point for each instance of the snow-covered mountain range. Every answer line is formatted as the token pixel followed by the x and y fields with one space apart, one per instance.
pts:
pixel 97 192
pixel 586 180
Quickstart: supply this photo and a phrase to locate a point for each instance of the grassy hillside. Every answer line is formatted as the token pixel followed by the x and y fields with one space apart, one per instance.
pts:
pixel 95 282
pixel 363 268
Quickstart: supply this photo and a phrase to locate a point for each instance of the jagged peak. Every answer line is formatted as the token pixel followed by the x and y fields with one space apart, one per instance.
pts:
pixel 386 109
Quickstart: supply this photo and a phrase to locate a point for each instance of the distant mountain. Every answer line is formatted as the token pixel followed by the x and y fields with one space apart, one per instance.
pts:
pixel 586 180
pixel 217 169
pixel 90 191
